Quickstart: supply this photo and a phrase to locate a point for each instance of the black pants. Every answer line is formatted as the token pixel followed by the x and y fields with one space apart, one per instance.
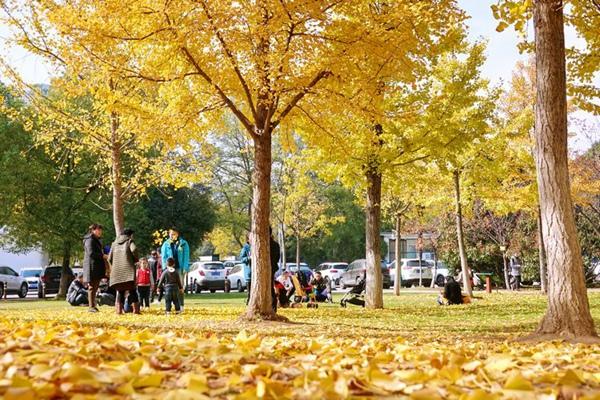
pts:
pixel 172 297
pixel 144 293
pixel 80 299
pixel 132 296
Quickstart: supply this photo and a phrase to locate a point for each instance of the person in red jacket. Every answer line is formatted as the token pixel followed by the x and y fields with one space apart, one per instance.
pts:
pixel 145 282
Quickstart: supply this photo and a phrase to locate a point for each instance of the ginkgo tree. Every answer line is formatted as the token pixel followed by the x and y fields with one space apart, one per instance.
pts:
pixel 300 205
pixel 91 109
pixel 260 61
pixel 568 313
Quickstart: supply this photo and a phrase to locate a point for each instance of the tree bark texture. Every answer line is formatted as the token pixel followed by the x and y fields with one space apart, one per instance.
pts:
pixel 568 313
pixel 374 288
pixel 506 275
pixel 259 305
pixel 397 250
pixel 542 254
pixel 117 181
pixel 64 276
pixel 459 234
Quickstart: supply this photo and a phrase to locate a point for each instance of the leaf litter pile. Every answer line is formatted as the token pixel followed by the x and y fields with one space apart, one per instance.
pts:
pixel 412 349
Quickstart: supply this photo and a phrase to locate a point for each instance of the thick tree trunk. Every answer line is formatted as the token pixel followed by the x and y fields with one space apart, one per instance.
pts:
pixel 117 182
pixel 64 276
pixel 459 234
pixel 542 253
pixel 374 289
pixel 568 314
pixel 259 306
pixel 397 250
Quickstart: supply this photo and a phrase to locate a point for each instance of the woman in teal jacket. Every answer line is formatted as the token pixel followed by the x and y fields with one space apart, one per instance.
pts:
pixel 177 248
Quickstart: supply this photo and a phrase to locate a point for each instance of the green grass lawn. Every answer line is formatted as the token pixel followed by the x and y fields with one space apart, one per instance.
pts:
pixel 412 348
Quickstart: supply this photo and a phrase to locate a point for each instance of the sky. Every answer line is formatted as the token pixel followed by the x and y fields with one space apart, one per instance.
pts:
pixel 502 55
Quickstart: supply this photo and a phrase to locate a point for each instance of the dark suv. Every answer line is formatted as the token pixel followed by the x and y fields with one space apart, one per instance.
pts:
pixel 50 280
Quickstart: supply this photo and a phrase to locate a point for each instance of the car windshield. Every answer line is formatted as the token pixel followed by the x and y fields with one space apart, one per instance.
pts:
pixel 339 266
pixel 30 273
pixel 213 266
pixel 53 271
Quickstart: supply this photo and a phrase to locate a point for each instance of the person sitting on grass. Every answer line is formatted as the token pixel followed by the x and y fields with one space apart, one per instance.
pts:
pixel 76 294
pixel 284 289
pixel 171 280
pixel 451 293
pixel 321 288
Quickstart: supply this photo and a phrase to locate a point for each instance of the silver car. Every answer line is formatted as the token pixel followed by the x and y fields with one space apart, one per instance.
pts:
pixel 32 277
pixel 12 283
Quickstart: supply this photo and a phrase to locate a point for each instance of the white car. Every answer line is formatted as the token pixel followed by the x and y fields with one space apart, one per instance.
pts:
pixel 236 278
pixel 208 275
pixel 442 272
pixel 32 277
pixel 332 271
pixel 12 283
pixel 412 271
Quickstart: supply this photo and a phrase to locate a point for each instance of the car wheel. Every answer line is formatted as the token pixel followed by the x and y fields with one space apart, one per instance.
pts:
pixel 1 290
pixel 440 280
pixel 197 287
pixel 23 291
pixel 337 282
pixel 240 288
pixel 40 293
pixel 357 281
pixel 213 290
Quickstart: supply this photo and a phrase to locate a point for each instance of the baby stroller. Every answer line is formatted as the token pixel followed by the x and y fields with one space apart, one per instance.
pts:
pixel 356 295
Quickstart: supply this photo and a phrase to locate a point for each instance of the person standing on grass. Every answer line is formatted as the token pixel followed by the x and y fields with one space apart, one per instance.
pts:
pixel 94 263
pixel 275 254
pixel 123 257
pixel 246 261
pixel 145 283
pixel 177 248
pixel 171 281
pixel 515 271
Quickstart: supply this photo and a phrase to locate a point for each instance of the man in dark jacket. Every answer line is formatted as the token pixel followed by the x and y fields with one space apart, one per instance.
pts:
pixel 94 263
pixel 275 254
pixel 77 295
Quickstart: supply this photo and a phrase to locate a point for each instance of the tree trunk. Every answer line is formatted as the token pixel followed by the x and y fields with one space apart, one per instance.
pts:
pixel 435 268
pixel 459 233
pixel 568 313
pixel 259 306
pixel 374 289
pixel 397 250
pixel 283 255
pixel 117 183
pixel 542 252
pixel 506 276
pixel 64 275
pixel 298 252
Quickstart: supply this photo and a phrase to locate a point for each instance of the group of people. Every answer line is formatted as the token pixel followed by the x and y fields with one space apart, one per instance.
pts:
pixel 287 288
pixel 134 281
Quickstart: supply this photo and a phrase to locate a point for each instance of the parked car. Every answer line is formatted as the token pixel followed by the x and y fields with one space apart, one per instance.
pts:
pixel 332 271
pixel 12 282
pixel 236 278
pixel 293 267
pixel 409 268
pixel 229 266
pixel 208 275
pixel 49 282
pixel 32 277
pixel 357 270
pixel 442 272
